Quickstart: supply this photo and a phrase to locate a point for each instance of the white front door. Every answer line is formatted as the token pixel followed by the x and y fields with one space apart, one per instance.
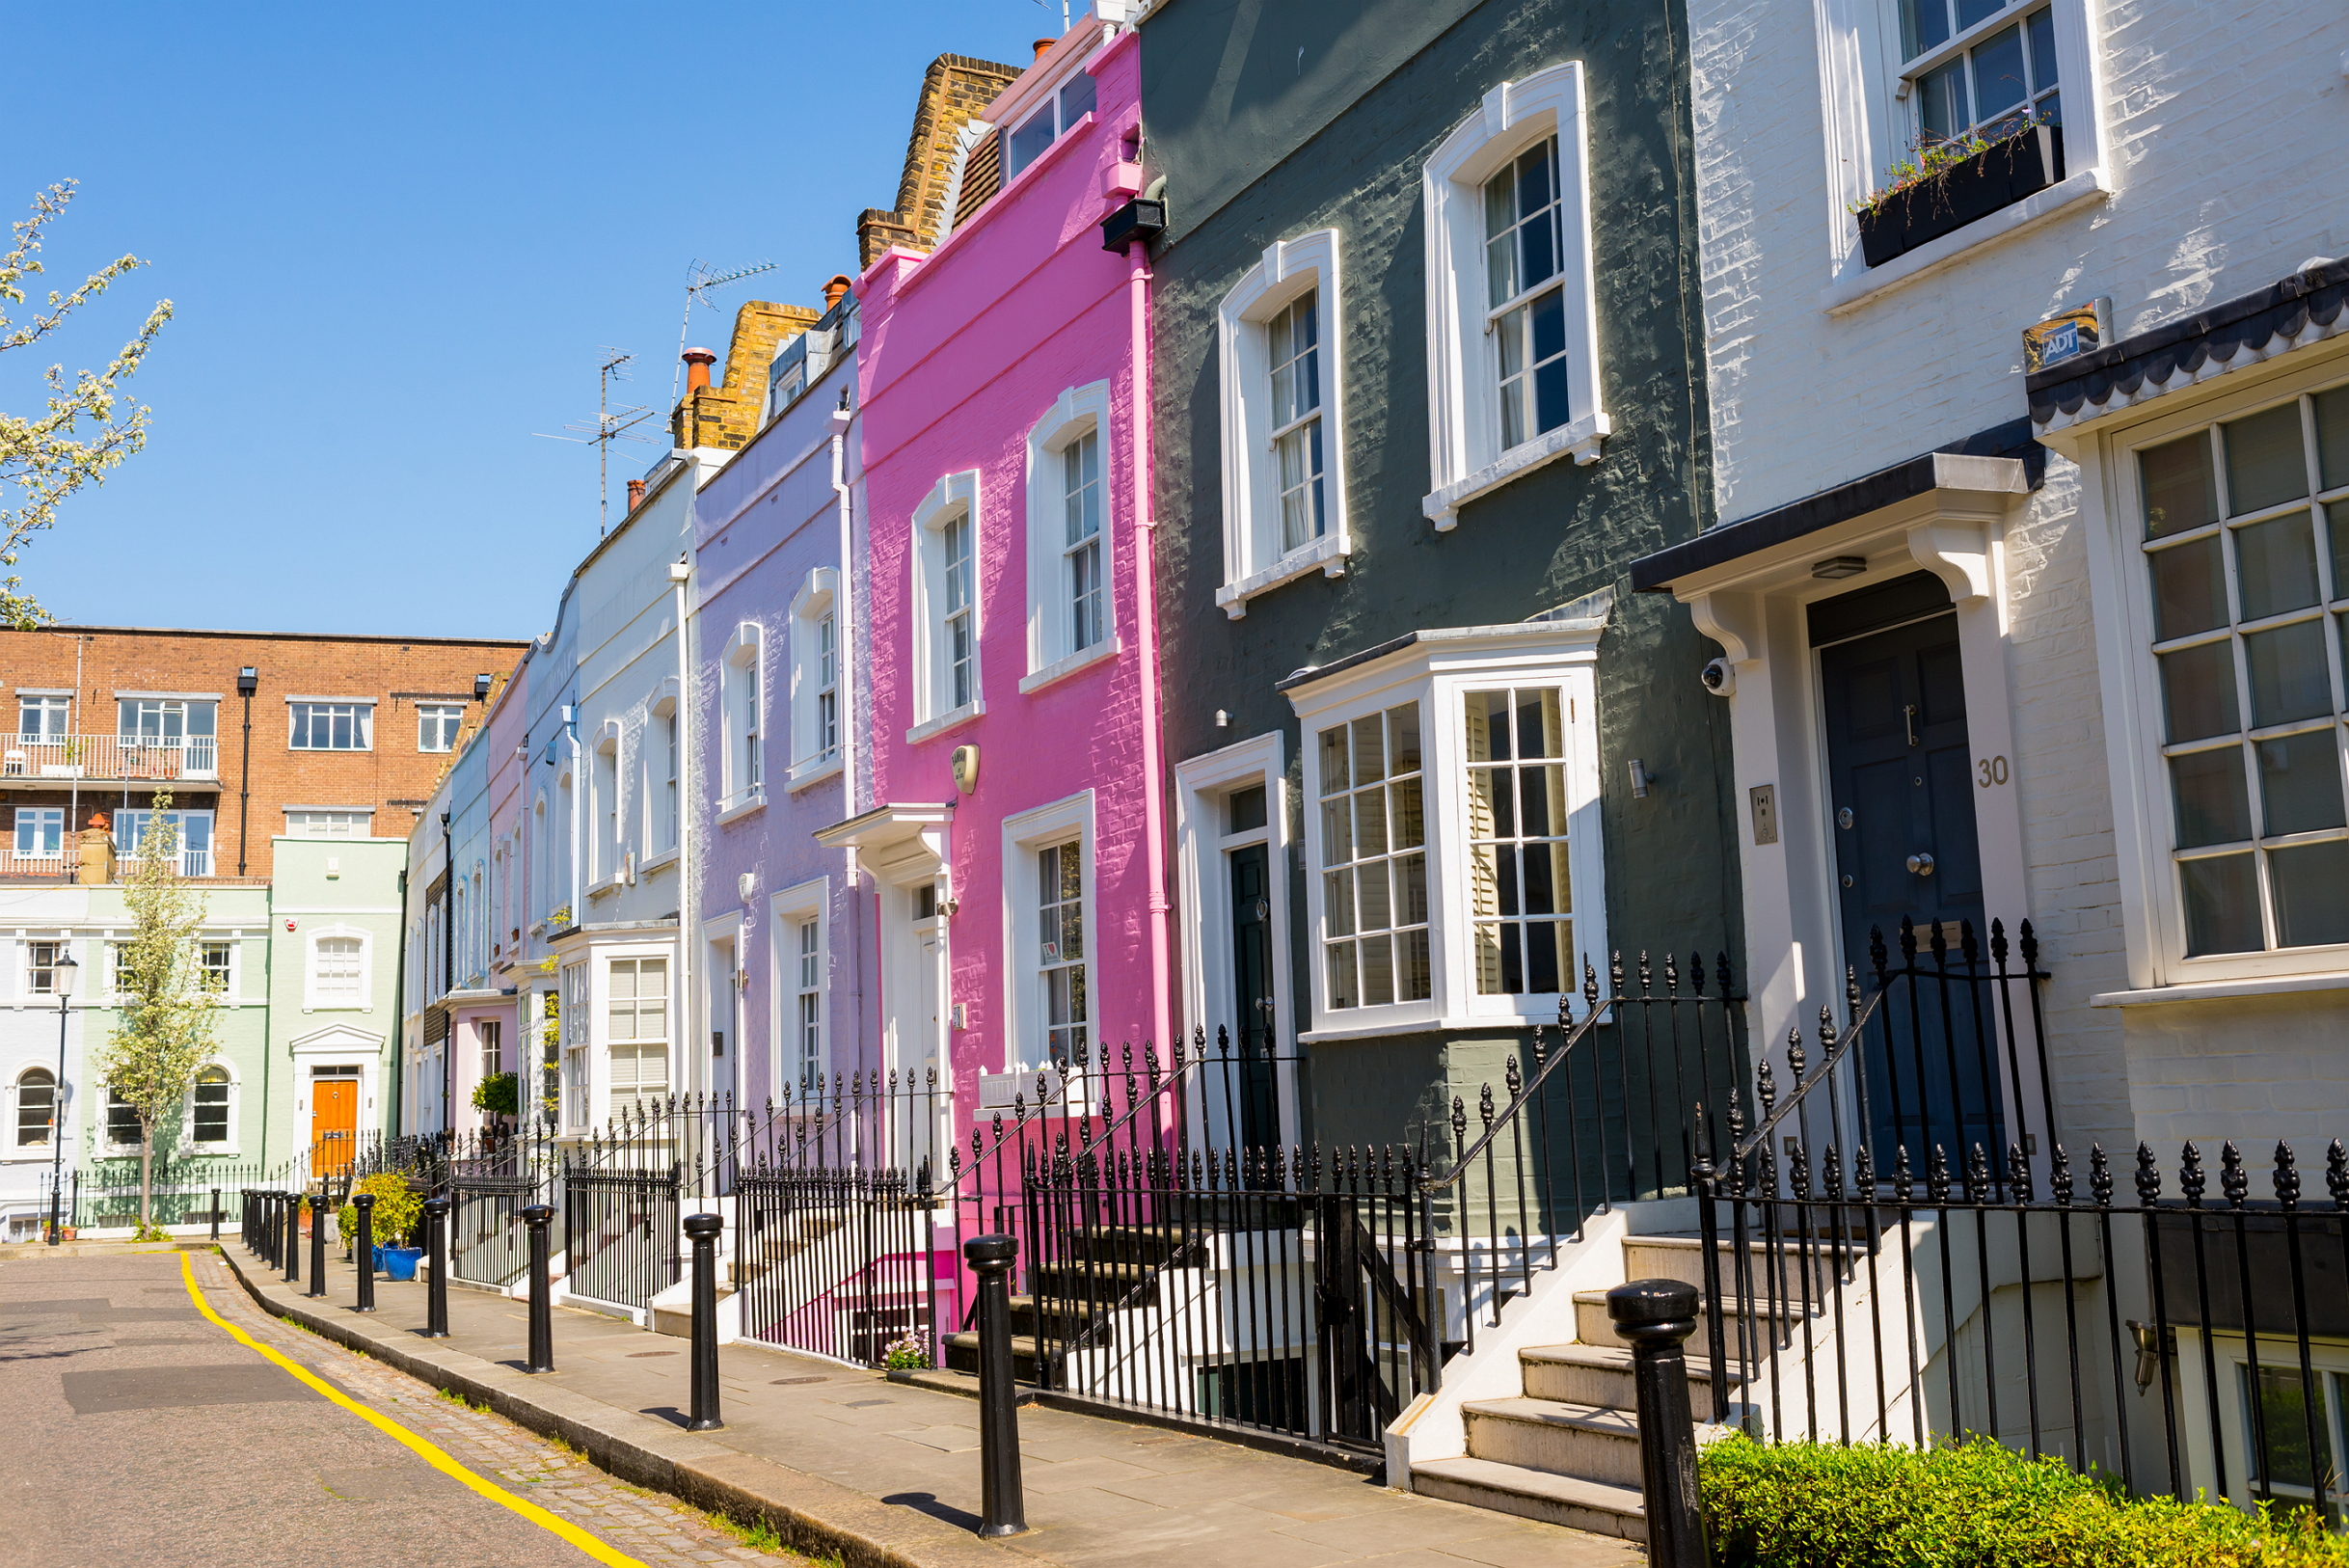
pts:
pixel 719 1010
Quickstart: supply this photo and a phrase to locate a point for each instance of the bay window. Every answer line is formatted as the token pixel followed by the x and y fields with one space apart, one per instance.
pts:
pixel 1453 838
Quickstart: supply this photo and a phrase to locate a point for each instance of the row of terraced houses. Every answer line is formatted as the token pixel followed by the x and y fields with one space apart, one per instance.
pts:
pixel 1306 532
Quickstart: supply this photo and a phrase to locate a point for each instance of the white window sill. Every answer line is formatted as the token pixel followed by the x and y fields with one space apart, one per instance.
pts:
pixel 1582 438
pixel 1062 669
pixel 1507 1022
pixel 945 721
pixel 597 889
pixel 1857 287
pixel 2220 991
pixel 814 770
pixel 743 807
pixel 1326 554
pixel 659 862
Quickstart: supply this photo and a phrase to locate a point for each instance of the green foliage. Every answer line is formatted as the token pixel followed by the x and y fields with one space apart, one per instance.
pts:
pixel 398 1208
pixel 46 457
pixel 498 1094
pixel 1982 1505
pixel 1932 157
pixel 167 1010
pixel 150 1232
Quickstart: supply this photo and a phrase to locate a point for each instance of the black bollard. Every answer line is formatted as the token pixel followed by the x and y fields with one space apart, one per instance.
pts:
pixel 215 1213
pixel 275 1229
pixel 269 1228
pixel 703 1229
pixel 1003 1509
pixel 538 1216
pixel 293 1239
pixel 1655 1317
pixel 244 1216
pixel 318 1242
pixel 435 1251
pixel 363 1250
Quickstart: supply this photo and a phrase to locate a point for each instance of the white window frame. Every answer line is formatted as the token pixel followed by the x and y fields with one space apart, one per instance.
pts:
pixel 956 495
pixel 813 608
pixel 743 721
pixel 44 704
pixel 1870 119
pixel 450 715
pixel 37 819
pixel 1253 561
pixel 1203 787
pixel 1025 1012
pixel 1052 653
pixel 788 911
pixel 363 721
pixel 221 1145
pixel 673 1015
pixel 127 844
pixel 233 990
pixel 1048 106
pixel 607 822
pixel 16 1109
pixel 663 774
pixel 360 819
pixel 311 999
pixel 1437 670
pixel 1465 455
pixel 2145 822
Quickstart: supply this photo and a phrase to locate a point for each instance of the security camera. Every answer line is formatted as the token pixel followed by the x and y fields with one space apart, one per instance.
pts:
pixel 1720 677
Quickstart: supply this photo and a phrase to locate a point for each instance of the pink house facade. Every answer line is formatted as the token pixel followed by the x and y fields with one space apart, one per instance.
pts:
pixel 1014 837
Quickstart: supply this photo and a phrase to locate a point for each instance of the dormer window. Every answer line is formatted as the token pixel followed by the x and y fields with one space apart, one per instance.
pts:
pixel 1060 111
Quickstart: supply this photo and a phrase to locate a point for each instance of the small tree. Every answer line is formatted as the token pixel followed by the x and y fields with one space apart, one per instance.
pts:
pixel 165 1037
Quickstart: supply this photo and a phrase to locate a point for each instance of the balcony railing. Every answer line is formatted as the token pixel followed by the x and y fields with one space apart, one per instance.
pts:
pixel 16 867
pixel 111 758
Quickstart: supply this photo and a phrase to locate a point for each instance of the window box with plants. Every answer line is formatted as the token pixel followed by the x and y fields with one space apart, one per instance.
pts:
pixel 1946 186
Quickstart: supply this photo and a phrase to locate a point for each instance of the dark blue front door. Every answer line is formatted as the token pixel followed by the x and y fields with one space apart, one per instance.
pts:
pixel 1901 771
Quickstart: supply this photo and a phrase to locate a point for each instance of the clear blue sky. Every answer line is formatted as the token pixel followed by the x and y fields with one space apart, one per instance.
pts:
pixel 396 238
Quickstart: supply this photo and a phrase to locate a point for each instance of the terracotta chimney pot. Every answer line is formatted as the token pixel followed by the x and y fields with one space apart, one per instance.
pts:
pixel 1043 44
pixel 833 290
pixel 636 493
pixel 697 368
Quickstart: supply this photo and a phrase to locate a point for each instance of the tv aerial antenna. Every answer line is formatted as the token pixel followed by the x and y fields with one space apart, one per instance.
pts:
pixel 609 425
pixel 703 279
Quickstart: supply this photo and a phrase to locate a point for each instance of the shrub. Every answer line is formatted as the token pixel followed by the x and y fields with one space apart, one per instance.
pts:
pixel 498 1094
pixel 398 1208
pixel 909 1354
pixel 1982 1505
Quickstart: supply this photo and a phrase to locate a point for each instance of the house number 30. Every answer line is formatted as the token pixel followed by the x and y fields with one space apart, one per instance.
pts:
pixel 1994 770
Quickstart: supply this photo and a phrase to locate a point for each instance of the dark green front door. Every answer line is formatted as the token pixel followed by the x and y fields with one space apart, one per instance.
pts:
pixel 1901 771
pixel 1258 1117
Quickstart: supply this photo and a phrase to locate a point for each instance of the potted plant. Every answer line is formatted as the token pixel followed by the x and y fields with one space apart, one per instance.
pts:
pixel 1944 186
pixel 499 1097
pixel 398 1208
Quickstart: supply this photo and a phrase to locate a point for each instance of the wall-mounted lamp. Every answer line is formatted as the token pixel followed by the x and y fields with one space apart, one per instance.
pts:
pixel 481 686
pixel 1641 778
pixel 248 681
pixel 1835 567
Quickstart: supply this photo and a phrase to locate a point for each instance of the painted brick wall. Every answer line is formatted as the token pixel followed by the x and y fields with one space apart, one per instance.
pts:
pixel 2223 141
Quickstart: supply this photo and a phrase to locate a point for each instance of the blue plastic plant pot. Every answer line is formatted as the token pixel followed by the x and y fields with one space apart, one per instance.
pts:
pixel 399 1262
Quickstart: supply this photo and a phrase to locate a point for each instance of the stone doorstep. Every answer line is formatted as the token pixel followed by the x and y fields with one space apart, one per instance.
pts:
pixel 812 1515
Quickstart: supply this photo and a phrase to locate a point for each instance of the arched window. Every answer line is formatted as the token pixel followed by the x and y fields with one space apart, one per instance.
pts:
pixel 211 1124
pixel 36 1107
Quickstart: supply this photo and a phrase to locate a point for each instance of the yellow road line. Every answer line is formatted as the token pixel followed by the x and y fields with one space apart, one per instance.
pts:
pixel 430 1452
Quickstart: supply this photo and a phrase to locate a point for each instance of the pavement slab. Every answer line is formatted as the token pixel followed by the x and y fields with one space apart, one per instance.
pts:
pixel 845 1462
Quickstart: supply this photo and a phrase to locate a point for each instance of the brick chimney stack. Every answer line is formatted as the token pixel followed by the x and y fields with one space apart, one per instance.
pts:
pixel 725 414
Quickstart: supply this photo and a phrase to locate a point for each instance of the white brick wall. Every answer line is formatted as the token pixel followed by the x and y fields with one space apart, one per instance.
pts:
pixel 2226 129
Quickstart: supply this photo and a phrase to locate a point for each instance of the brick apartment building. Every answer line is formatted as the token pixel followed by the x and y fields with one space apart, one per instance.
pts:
pixel 254 734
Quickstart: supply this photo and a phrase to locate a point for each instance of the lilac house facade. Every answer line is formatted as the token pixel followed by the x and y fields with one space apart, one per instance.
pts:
pixel 785 928
pixel 1014 835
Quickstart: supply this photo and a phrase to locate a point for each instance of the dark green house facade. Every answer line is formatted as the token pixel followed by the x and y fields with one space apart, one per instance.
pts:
pixel 1427 378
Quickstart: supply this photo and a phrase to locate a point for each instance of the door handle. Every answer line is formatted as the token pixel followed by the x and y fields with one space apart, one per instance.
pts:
pixel 1921 864
pixel 1909 716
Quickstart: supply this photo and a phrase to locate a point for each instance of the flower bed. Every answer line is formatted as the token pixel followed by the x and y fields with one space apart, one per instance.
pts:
pixel 1983 1505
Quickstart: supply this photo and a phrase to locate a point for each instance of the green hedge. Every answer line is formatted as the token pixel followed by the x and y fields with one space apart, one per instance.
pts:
pixel 1822 1505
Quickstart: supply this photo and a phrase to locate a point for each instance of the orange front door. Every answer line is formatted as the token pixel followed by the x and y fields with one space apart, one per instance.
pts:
pixel 333 1123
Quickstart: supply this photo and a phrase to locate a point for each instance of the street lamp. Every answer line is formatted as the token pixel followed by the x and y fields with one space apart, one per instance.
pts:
pixel 62 975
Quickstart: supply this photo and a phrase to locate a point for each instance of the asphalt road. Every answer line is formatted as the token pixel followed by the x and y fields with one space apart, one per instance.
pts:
pixel 133 1432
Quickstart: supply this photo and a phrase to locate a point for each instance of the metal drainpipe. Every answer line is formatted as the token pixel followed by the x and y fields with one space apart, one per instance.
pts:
pixel 845 602
pixel 244 787
pixel 399 978
pixel 681 573
pixel 1145 630
pixel 449 961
